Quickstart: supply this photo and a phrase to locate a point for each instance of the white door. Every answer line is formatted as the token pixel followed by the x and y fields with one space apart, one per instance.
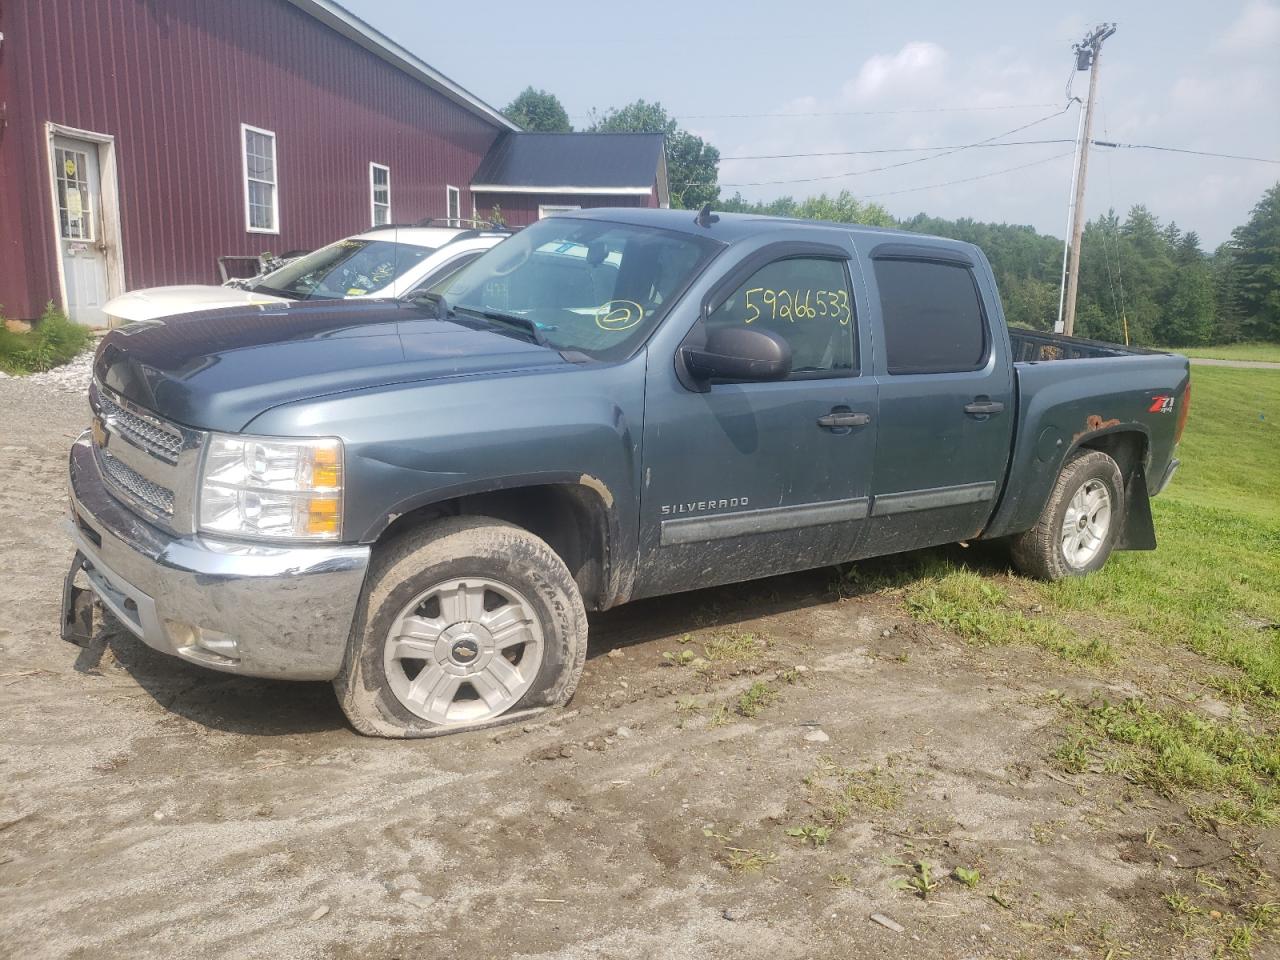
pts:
pixel 81 243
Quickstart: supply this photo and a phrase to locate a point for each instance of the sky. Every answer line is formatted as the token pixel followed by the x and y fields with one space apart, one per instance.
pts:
pixel 860 76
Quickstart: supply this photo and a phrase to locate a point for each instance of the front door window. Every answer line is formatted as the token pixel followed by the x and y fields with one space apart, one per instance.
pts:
pixel 75 202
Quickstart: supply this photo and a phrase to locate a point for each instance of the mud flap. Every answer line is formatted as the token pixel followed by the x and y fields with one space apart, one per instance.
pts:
pixel 1139 531
pixel 77 606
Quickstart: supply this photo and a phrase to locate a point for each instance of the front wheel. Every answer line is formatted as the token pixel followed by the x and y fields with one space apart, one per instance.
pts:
pixel 1079 526
pixel 468 622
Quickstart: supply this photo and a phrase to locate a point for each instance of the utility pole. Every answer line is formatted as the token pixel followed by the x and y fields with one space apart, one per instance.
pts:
pixel 1087 53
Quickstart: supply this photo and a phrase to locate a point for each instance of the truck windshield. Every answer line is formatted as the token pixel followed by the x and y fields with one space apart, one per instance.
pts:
pixel 348 268
pixel 589 286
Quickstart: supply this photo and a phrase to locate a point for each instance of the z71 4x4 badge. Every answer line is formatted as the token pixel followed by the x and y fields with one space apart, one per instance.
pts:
pixel 1161 405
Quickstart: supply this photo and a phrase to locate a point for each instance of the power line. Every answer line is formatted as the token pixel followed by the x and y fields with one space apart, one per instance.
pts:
pixel 1010 143
pixel 856 153
pixel 983 176
pixel 890 166
pixel 841 113
pixel 1196 153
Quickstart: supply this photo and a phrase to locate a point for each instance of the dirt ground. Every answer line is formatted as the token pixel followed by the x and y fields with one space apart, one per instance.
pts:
pixel 152 809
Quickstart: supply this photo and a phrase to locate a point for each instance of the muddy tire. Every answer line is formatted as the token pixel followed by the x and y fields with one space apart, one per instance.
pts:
pixel 1079 525
pixel 467 623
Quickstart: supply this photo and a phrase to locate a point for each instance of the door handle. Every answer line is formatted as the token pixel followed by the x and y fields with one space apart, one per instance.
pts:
pixel 980 408
pixel 844 419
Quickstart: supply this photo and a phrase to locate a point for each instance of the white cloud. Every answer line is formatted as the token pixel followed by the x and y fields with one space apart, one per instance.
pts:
pixel 1257 28
pixel 919 66
pixel 904 94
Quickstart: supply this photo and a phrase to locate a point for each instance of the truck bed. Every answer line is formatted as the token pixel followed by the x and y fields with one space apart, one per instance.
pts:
pixel 1107 388
pixel 1036 346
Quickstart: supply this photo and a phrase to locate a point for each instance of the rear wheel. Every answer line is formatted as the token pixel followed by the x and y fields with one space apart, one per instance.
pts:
pixel 1080 523
pixel 468 622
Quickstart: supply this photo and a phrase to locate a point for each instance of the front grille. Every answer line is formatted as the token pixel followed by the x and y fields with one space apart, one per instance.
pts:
pixel 136 485
pixel 161 441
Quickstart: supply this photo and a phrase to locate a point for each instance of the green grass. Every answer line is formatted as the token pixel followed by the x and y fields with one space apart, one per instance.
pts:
pixel 1231 450
pixel 984 613
pixel 53 342
pixel 1176 751
pixel 1231 351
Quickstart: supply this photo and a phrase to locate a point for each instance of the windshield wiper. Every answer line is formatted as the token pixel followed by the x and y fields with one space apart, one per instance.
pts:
pixel 524 324
pixel 276 292
pixel 436 300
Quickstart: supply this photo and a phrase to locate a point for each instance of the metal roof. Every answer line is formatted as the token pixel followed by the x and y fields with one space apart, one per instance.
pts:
pixel 383 47
pixel 586 163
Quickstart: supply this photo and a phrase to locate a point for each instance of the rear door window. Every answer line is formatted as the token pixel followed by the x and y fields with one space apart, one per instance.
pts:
pixel 806 301
pixel 933 317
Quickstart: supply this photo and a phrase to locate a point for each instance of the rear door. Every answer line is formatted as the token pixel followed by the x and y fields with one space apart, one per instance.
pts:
pixel 946 396
pixel 752 479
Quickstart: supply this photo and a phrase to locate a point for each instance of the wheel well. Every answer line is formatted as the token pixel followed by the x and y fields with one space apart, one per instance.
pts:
pixel 1128 448
pixel 570 517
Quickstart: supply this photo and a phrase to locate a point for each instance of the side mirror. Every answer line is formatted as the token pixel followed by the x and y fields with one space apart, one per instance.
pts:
pixel 738 353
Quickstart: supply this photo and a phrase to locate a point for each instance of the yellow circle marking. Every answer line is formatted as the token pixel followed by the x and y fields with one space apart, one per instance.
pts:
pixel 616 315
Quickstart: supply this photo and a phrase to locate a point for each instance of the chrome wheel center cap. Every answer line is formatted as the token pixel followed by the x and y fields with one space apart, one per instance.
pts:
pixel 466 645
pixel 465 651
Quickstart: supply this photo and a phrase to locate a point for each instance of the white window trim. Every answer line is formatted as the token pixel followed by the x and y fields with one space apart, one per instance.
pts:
pixel 551 209
pixel 373 205
pixel 449 191
pixel 245 130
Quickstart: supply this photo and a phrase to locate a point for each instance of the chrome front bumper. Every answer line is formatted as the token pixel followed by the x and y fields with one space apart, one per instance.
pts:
pixel 263 611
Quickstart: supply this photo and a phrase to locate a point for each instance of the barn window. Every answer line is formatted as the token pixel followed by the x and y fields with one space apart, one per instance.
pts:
pixel 380 193
pixel 261 204
pixel 453 201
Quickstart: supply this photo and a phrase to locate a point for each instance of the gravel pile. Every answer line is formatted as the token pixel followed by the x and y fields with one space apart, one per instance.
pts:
pixel 73 376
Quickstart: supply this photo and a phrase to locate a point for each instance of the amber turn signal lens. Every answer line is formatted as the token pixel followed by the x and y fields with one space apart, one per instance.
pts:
pixel 323 515
pixel 326 470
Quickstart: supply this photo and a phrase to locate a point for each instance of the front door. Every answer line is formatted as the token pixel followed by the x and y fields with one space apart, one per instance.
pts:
pixel 752 479
pixel 80 228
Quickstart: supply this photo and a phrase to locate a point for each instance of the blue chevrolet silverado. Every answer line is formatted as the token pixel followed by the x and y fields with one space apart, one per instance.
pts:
pixel 420 500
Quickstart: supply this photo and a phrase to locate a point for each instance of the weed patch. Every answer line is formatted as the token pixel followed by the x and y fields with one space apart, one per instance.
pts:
pixel 755 698
pixel 736 647
pixel 1176 751
pixel 739 859
pixel 837 792
pixel 982 612
pixel 53 342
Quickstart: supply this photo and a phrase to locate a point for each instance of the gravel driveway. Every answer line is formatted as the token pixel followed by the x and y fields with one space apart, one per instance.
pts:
pixel 151 809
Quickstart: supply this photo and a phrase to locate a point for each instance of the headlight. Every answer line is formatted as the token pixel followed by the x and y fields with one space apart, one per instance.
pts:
pixel 272 489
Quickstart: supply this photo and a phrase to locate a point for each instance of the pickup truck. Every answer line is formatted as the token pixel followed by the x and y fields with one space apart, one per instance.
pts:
pixel 421 500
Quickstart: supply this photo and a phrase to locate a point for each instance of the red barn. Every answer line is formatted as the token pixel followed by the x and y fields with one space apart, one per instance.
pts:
pixel 140 141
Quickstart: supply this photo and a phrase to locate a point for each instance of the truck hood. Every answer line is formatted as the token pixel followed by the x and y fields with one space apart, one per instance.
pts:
pixel 156 302
pixel 218 369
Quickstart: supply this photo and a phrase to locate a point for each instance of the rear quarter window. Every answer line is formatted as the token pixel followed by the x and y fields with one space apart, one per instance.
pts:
pixel 933 317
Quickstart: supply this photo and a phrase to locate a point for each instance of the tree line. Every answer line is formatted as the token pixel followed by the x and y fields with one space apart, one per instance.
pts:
pixel 1141 281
